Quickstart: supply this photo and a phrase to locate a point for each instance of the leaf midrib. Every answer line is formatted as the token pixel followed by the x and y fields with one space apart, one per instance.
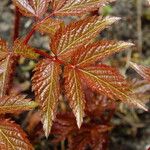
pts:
pixel 9 108
pixel 4 135
pixel 106 83
pixel 78 99
pixel 93 30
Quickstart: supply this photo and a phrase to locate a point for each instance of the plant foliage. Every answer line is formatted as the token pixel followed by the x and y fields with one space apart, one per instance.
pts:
pixel 73 66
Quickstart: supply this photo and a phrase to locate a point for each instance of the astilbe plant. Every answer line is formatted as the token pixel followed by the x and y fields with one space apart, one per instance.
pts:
pixel 71 66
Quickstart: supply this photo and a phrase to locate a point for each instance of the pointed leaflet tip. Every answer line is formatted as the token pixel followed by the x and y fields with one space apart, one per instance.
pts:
pixel 141 70
pixel 79 118
pixel 46 132
pixel 126 44
pixel 139 104
pixel 133 65
pixel 142 106
pixel 111 20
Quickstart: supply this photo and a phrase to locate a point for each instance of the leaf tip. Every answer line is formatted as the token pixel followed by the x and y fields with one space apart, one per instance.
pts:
pixel 111 20
pixel 79 118
pixel 139 104
pixel 47 125
pixel 79 123
pixel 46 135
pixel 124 45
pixel 128 44
pixel 34 104
pixel 132 65
pixel 142 106
pixel 46 131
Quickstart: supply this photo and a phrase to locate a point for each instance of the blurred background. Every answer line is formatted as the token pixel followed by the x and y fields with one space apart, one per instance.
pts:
pixel 131 127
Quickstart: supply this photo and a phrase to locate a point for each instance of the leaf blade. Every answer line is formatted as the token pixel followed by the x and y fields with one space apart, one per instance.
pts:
pixel 77 7
pixel 78 33
pixel 15 103
pixel 87 55
pixel 74 93
pixel 49 26
pixel 24 50
pixel 13 137
pixel 31 8
pixel 141 70
pixel 57 4
pixel 24 7
pixel 39 6
pixel 108 81
pixel 7 62
pixel 46 87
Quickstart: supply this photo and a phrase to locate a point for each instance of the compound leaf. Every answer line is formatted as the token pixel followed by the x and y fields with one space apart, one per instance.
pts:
pixel 75 94
pixel 46 87
pixel 15 103
pixel 78 33
pixel 12 137
pixel 110 82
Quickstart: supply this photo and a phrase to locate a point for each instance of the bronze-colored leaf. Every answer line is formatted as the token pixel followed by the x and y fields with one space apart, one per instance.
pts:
pixel 7 60
pixel 92 134
pixel 141 70
pixel 13 137
pixel 67 39
pixel 32 7
pixel 3 49
pixel 76 7
pixel 24 50
pixel 86 55
pixel 46 88
pixel 57 4
pixel 75 94
pixel 15 103
pixel 49 26
pixel 110 82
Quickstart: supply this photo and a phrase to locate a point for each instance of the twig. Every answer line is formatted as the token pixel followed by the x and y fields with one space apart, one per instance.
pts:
pixel 34 26
pixel 16 24
pixel 139 24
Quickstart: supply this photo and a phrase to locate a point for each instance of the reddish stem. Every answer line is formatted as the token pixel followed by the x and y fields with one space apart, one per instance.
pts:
pixel 44 54
pixel 53 58
pixel 29 35
pixel 16 24
pixel 34 26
